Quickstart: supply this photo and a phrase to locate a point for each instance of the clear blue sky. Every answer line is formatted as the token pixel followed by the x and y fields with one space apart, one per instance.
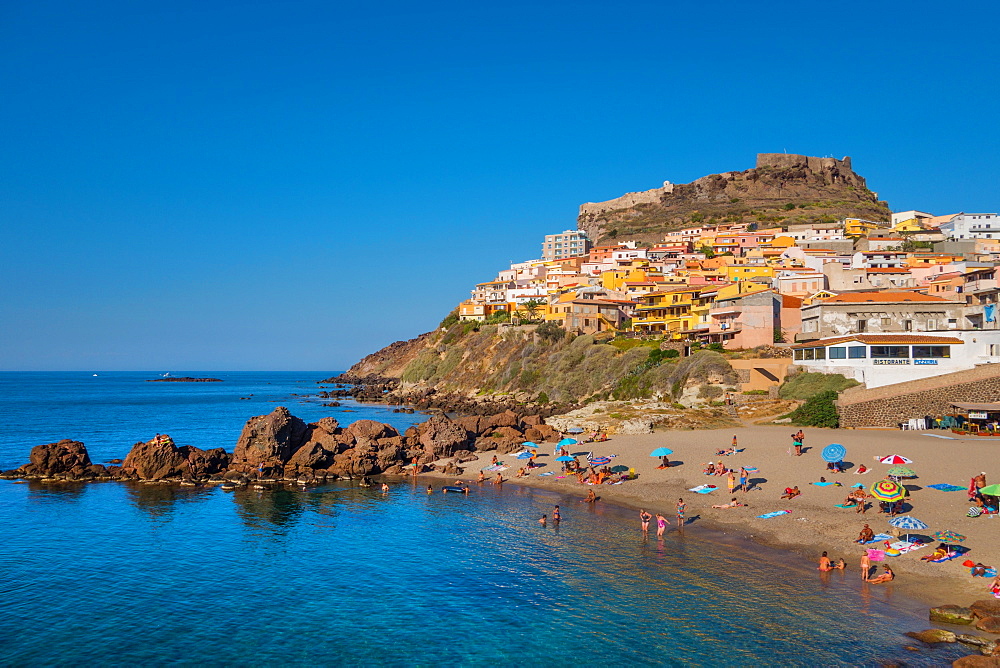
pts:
pixel 291 185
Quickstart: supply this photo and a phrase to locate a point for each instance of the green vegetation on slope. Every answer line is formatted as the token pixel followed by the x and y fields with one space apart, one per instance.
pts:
pixel 805 385
pixel 819 410
pixel 549 362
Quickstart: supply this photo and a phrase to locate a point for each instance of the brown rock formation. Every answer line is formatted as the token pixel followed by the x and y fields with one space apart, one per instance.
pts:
pixel 155 460
pixel 64 456
pixel 268 441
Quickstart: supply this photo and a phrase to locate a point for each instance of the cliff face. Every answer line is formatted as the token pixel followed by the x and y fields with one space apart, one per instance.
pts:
pixel 781 189
pixel 543 364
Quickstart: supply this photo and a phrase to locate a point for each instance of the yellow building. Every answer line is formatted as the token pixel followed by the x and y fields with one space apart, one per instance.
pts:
pixel 736 273
pixel 672 313
pixel 859 227
pixel 911 225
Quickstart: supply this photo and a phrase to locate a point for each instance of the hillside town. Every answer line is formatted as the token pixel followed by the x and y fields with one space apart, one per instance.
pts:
pixel 877 301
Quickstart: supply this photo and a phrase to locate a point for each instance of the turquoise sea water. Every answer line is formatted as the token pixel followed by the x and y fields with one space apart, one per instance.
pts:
pixel 123 574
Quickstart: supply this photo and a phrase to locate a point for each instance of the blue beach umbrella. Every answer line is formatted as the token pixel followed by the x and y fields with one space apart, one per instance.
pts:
pixel 834 452
pixel 908 524
pixel 568 441
pixel 661 452
pixel 529 444
pixel 565 458
pixel 525 455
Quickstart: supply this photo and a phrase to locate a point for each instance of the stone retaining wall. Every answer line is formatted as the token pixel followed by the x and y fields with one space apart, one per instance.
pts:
pixel 889 405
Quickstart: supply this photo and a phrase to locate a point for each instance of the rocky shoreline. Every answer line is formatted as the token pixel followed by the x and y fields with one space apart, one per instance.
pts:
pixel 281 447
pixel 380 389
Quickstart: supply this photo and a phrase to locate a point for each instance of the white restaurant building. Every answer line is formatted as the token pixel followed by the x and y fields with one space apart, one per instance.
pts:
pixel 885 359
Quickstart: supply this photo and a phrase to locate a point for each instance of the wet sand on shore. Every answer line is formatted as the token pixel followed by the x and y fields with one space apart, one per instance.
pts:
pixel 815 524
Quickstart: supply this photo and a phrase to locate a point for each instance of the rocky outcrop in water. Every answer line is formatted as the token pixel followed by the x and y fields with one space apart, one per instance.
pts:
pixel 280 446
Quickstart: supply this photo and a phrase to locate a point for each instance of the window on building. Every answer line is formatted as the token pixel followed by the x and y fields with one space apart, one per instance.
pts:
pixel 839 353
pixel 890 352
pixel 907 325
pixel 798 354
pixel 934 352
pixel 862 326
pixel 809 354
pixel 821 353
pixel 931 325
pixel 886 322
pixel 856 352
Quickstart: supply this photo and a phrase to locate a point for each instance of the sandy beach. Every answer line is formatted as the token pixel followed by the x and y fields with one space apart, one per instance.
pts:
pixel 815 523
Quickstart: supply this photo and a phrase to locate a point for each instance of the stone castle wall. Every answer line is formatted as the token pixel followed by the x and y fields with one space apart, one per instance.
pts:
pixel 784 160
pixel 627 200
pixel 889 405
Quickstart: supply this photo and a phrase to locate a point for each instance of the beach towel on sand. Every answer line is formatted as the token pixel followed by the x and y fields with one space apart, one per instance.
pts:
pixel 542 475
pixel 945 487
pixel 766 516
pixel 824 484
pixel 845 505
pixel 703 489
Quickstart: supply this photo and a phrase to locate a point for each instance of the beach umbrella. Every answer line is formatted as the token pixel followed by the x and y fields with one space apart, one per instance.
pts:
pixel 565 458
pixel 574 430
pixel 619 469
pixel 895 459
pixel 887 490
pixel 529 444
pixel 661 452
pixel 990 490
pixel 600 461
pixel 568 441
pixel 834 452
pixel 525 455
pixel 948 537
pixel 908 524
pixel 901 472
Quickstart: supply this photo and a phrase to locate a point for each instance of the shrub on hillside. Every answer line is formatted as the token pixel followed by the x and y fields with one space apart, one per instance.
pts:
pixel 549 331
pixel 449 319
pixel 818 411
pixel 805 385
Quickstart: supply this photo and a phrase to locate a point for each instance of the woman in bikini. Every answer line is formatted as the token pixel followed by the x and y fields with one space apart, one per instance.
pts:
pixel 888 576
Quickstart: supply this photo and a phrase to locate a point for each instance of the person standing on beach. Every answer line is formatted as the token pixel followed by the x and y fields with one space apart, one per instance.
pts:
pixel 731 481
pixel 744 478
pixel 797 444
pixel 644 517
pixel 866 566
pixel 681 506
pixel 661 524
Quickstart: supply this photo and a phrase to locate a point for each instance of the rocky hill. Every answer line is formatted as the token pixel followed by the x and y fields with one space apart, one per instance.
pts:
pixel 541 365
pixel 781 189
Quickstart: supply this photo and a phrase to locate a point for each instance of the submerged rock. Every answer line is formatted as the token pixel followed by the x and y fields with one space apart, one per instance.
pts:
pixel 932 636
pixel 951 614
pixel 975 641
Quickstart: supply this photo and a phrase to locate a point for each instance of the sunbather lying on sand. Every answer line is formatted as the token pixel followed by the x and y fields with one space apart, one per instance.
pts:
pixel 732 504
pixel 791 492
pixel 885 577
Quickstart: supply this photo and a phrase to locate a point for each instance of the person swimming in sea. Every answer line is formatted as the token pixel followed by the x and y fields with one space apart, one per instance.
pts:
pixel 385 488
pixel 542 520
pixel 430 490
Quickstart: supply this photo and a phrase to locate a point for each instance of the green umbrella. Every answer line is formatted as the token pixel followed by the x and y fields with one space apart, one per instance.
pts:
pixel 990 490
pixel 901 472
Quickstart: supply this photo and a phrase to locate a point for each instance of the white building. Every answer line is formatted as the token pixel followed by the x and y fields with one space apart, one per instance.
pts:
pixel 569 243
pixel 885 359
pixel 912 214
pixel 972 226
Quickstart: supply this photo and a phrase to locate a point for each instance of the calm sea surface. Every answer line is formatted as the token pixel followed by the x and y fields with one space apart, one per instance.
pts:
pixel 120 574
